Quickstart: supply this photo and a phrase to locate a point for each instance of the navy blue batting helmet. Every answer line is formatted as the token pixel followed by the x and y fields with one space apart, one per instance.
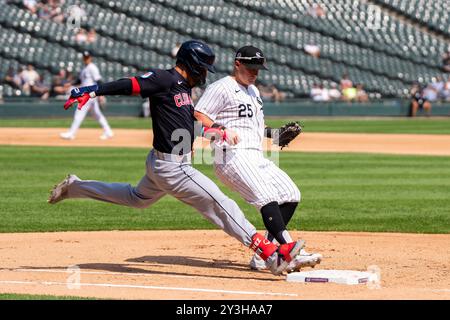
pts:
pixel 197 57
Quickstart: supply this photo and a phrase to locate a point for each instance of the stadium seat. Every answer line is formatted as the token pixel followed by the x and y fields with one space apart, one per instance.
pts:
pixel 137 35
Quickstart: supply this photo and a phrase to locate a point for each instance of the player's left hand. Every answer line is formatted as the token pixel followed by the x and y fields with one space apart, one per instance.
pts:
pixel 287 133
pixel 81 101
pixel 231 137
pixel 80 95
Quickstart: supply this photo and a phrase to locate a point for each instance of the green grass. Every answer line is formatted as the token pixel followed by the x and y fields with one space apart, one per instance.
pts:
pixel 343 192
pixel 359 125
pixel 13 296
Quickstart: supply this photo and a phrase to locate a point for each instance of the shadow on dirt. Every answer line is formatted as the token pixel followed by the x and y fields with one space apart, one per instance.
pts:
pixel 141 266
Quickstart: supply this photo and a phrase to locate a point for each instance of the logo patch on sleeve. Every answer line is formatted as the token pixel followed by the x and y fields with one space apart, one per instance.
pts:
pixel 148 74
pixel 259 100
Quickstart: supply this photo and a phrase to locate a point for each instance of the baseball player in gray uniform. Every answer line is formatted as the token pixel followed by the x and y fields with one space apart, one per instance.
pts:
pixel 235 103
pixel 89 76
pixel 168 167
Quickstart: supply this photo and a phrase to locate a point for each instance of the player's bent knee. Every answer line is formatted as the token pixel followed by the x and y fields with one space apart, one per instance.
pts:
pixel 298 196
pixel 138 202
pixel 141 203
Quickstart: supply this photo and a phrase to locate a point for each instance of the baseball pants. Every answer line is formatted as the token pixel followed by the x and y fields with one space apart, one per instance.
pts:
pixel 257 179
pixel 172 175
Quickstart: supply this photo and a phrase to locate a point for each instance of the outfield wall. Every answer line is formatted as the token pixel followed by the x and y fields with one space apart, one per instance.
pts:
pixel 26 108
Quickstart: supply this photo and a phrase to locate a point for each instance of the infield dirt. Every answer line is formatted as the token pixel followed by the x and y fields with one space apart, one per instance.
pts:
pixel 208 264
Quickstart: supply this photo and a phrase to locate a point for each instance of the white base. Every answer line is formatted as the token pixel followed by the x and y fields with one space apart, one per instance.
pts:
pixel 335 276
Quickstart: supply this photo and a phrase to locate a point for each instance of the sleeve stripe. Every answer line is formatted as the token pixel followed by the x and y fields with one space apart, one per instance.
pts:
pixel 136 88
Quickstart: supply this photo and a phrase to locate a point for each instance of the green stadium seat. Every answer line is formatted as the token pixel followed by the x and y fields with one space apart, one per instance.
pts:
pixel 136 35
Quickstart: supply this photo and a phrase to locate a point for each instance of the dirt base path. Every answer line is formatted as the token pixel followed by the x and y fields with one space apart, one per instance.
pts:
pixel 306 142
pixel 145 265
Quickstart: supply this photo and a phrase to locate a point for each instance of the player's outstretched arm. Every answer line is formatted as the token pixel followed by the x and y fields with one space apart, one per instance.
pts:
pixel 119 87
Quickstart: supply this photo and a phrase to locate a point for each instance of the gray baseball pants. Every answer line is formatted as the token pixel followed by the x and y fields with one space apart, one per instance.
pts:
pixel 173 175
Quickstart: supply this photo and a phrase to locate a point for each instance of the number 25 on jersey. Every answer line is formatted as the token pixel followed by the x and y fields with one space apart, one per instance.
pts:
pixel 245 110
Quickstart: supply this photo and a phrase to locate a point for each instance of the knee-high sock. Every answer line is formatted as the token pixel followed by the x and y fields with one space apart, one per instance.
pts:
pixel 274 223
pixel 287 210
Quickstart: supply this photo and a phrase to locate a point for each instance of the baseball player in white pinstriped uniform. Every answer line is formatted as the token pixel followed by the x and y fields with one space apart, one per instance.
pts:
pixel 89 76
pixel 234 102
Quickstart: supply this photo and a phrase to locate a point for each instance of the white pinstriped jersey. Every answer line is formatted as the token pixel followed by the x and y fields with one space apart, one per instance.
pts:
pixel 236 107
pixel 89 75
pixel 243 168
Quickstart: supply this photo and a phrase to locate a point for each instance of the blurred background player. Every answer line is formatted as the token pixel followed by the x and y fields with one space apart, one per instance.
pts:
pixel 234 102
pixel 89 76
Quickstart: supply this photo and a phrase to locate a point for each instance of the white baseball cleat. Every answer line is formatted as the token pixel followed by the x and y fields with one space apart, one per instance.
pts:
pixel 107 135
pixel 303 259
pixel 257 263
pixel 59 191
pixel 67 136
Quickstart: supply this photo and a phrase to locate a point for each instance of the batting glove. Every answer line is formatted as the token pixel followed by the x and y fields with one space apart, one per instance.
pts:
pixel 80 95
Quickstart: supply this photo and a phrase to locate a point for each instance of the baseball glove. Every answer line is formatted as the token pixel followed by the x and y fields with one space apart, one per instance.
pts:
pixel 287 133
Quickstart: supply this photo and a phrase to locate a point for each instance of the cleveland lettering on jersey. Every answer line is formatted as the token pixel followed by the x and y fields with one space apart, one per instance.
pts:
pixel 183 99
pixel 171 108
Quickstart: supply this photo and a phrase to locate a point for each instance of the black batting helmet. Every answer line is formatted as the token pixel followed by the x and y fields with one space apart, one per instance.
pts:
pixel 197 57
